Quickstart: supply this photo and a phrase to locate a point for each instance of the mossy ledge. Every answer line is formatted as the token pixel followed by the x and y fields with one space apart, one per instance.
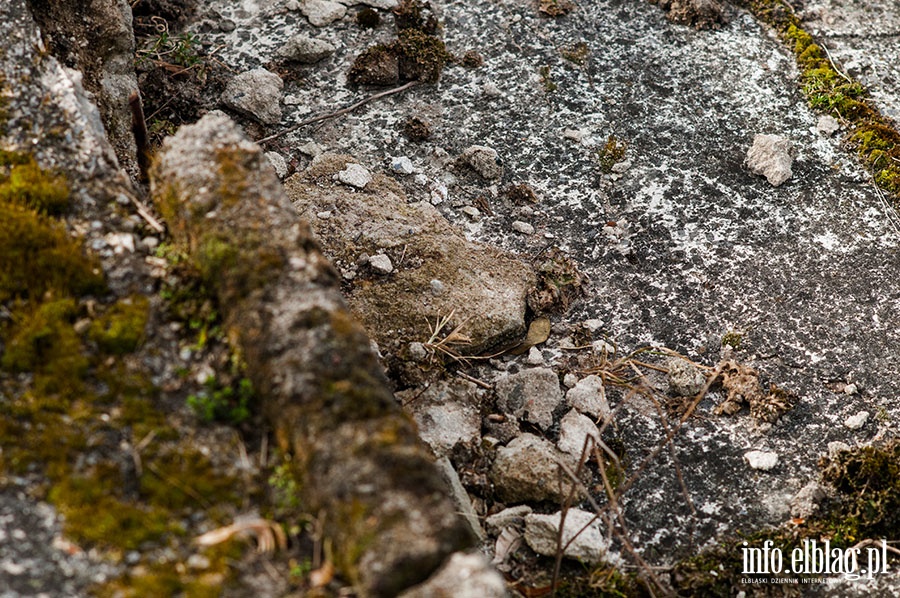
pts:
pixel 874 137
pixel 355 457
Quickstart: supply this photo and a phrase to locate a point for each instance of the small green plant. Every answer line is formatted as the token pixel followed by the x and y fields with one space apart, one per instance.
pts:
pixel 181 50
pixel 222 403
pixel 732 339
pixel 612 152
pixel 284 486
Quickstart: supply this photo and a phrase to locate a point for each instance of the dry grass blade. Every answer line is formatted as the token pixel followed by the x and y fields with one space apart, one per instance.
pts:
pixel 268 534
pixel 444 342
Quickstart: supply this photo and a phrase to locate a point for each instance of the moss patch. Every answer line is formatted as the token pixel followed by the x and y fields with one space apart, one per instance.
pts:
pixel 25 183
pixel 122 328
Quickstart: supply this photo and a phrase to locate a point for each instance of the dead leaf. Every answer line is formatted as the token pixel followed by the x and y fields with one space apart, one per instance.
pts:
pixel 538 332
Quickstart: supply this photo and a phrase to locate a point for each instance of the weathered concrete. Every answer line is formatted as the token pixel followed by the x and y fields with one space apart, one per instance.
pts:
pixel 357 457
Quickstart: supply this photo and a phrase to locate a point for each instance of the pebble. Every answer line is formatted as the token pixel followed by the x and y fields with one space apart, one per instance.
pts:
pixel 851 389
pixel 588 396
pixel 381 264
pixel 855 422
pixel 581 535
pixel 771 156
pixel 354 175
pixel 570 380
pixel 417 351
pixel 522 227
pixel 472 212
pixel 257 94
pixel 402 165
pixel 439 193
pixel 574 430
pixel 836 447
pixel 437 287
pixel 761 460
pixel 575 135
pixel 322 12
pixel 685 379
pixel 483 160
pixel 490 89
pixel 827 125
pixel 535 357
pixel 278 163
pixel 533 394
pixel 305 49
pixel 150 243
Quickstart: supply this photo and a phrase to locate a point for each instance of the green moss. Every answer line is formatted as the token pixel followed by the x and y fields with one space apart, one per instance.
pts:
pixel 732 339
pixel 612 152
pixel 230 404
pixel 37 256
pixel 577 53
pixel 547 81
pixel 30 186
pixel 237 262
pixel 867 480
pixel 45 342
pixel 421 57
pixel 122 328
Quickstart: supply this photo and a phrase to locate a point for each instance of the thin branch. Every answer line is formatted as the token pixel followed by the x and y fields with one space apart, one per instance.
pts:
pixel 337 113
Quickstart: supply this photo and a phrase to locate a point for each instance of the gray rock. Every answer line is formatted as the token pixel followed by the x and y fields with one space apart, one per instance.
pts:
pixel 381 264
pixel 305 49
pixel 509 517
pixel 827 125
pixel 588 396
pixel 761 460
pixel 355 176
pixel 464 576
pixel 484 289
pixel 771 156
pixel 484 161
pixel 447 413
pixel 857 421
pixel 528 469
pixel 685 379
pixel 532 395
pixel 574 430
pixel 460 497
pixel 580 530
pixel 322 12
pixel 522 227
pixel 402 165
pixel 806 502
pixel 278 163
pixel 835 447
pixel 256 94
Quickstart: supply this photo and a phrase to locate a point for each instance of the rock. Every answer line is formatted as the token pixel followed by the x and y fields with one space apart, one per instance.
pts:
pixel 460 497
pixel 574 430
pixel 531 394
pixel 320 384
pixel 402 165
pixel 256 94
pixel 761 460
pixel 305 49
pixel 484 289
pixel 528 469
pixel 827 125
pixel 472 212
pixel 381 264
pixel 535 357
pixel 542 535
pixel 447 413
pixel 354 175
pixel 771 156
pixel 806 502
pixel 855 422
pixel 278 163
pixel 417 352
pixel 569 381
pixel 522 227
pixel 836 447
pixel 437 287
pixel 484 161
pixel 322 12
pixel 588 396
pixel 509 517
pixel 464 576
pixel 685 379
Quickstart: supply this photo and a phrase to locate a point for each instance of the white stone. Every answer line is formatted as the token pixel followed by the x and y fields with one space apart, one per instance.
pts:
pixel 354 175
pixel 322 12
pixel 855 422
pixel 528 469
pixel 535 357
pixel 575 135
pixel 257 94
pixel 402 165
pixel 570 380
pixel 463 576
pixel 827 125
pixel 278 163
pixel 437 287
pixel 531 394
pixel 381 264
pixel 580 530
pixel 522 227
pixel 771 156
pixel 685 379
pixel 851 389
pixel 761 460
pixel 305 49
pixel 472 212
pixel 574 430
pixel 484 161
pixel 588 396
